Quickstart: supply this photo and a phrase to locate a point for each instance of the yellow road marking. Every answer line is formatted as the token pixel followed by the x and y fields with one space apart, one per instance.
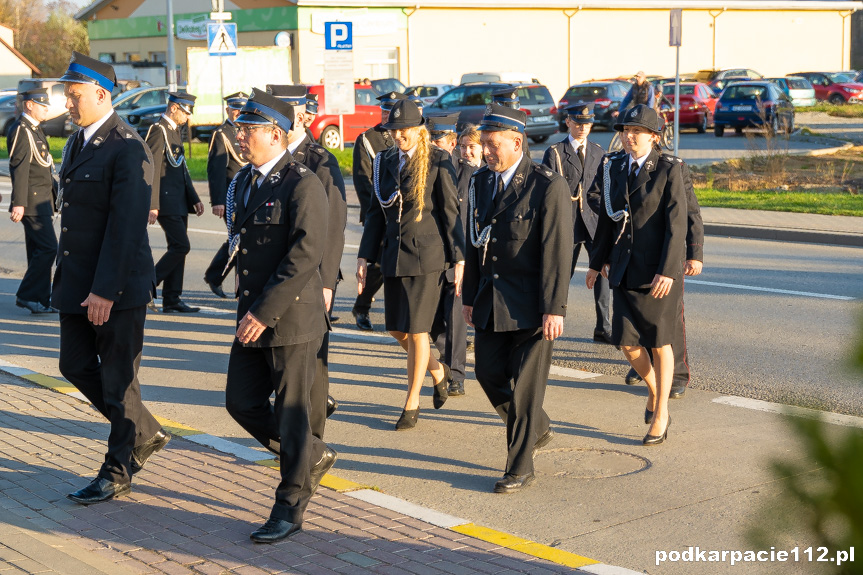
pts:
pixel 524 545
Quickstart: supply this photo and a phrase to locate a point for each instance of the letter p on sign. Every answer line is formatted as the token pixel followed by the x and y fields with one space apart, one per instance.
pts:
pixel 338 35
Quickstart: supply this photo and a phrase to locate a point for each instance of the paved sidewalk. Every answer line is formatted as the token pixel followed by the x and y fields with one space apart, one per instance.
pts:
pixel 192 509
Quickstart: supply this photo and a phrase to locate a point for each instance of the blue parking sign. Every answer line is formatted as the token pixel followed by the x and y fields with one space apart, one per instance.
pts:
pixel 338 35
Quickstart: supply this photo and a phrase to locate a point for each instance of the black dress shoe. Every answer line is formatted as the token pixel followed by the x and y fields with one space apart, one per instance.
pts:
pixel 648 416
pixel 332 405
pixel 543 440
pixel 677 390
pixel 152 306
pixel 455 388
pixel 601 336
pixel 99 490
pixel 408 419
pixel 363 321
pixel 328 459
pixel 216 289
pixel 334 319
pixel 657 439
pixel 179 307
pixel 632 377
pixel 142 453
pixel 441 389
pixel 274 530
pixel 35 307
pixel 512 483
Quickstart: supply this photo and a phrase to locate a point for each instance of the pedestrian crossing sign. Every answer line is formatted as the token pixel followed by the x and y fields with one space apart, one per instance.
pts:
pixel 222 39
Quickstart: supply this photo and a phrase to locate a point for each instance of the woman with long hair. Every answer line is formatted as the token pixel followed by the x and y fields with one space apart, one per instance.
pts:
pixel 642 195
pixel 416 216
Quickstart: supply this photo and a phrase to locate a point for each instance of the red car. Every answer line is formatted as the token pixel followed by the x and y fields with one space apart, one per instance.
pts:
pixel 834 87
pixel 697 103
pixel 367 114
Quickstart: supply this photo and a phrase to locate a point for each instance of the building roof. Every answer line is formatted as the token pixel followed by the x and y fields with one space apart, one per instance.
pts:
pixel 820 5
pixel 21 57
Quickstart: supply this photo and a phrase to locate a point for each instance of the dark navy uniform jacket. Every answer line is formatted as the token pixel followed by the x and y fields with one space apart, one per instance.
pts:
pixel 103 244
pixel 173 192
pixel 410 247
pixel 525 271
pixel 283 233
pixel 32 184
pixel 378 141
pixel 579 179
pixel 223 162
pixel 326 167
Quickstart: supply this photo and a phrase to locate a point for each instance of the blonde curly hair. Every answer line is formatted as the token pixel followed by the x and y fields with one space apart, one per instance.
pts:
pixel 417 168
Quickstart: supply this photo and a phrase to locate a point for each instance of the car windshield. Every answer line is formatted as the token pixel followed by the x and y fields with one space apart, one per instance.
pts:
pixel 388 85
pixel 586 92
pixel 534 95
pixel 798 84
pixel 838 77
pixel 745 93
pixel 668 90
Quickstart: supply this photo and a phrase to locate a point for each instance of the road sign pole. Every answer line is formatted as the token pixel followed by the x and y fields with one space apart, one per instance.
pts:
pixel 171 59
pixel 222 86
pixel 341 132
pixel 677 103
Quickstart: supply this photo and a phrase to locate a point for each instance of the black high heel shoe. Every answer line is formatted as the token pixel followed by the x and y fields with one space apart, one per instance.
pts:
pixel 657 439
pixel 408 419
pixel 648 416
pixel 440 390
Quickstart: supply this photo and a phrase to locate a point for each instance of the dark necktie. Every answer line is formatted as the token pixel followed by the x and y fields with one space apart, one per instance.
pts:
pixel 581 156
pixel 252 186
pixel 76 146
pixel 633 170
pixel 498 191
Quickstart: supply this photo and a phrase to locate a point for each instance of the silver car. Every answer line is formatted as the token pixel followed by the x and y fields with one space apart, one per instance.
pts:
pixel 8 113
pixel 798 89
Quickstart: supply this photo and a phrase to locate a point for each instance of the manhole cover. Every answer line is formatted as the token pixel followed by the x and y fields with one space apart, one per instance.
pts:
pixel 588 463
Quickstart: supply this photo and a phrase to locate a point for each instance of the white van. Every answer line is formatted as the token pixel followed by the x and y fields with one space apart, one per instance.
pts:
pixel 504 77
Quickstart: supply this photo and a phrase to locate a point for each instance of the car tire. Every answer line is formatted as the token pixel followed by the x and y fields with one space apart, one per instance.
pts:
pixel 703 126
pixel 738 131
pixel 538 139
pixel 331 138
pixel 718 131
pixel 836 100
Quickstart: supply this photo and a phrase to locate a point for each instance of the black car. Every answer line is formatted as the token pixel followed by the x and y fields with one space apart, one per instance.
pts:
pixel 470 100
pixel 606 97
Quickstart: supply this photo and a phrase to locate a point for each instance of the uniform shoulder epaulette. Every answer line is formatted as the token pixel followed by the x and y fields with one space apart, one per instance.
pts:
pixel 318 149
pixel 300 169
pixel 543 170
pixel 126 130
pixel 481 170
pixel 671 158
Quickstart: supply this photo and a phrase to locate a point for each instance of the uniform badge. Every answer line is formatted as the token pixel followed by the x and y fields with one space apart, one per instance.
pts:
pixel 649 164
pixel 490 178
pixel 518 179
pixel 633 114
pixel 234 215
pixel 488 110
pixel 397 113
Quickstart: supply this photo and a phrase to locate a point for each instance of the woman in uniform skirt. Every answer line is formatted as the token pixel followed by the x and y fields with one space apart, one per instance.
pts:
pixel 416 215
pixel 640 246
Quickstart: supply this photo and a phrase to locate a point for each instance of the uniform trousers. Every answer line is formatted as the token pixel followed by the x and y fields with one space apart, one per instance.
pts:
pixel 374 282
pixel 320 389
pixel 601 290
pixel 170 267
pixel 41 244
pixel 102 362
pixel 512 369
pixel 449 331
pixel 254 373
pixel 216 272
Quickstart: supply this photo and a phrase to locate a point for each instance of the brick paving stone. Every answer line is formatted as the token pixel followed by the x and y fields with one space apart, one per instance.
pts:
pixel 209 568
pixel 146 556
pixel 453 568
pixel 314 569
pixel 137 566
pixel 355 545
pixel 250 570
pixel 173 568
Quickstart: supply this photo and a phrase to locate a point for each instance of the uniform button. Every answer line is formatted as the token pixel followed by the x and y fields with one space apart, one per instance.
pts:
pixel 398 237
pixel 34 193
pixel 245 292
pixel 245 272
pixel 495 276
pixel 86 175
pixel 494 240
pixel 64 229
pixel 245 251
pixel 66 253
pixel 68 180
pixel 494 220
pixel 494 258
pixel 65 204
pixel 629 236
pixel 628 250
pixel 268 218
pixel 295 299
pixel 242 230
pixel 119 293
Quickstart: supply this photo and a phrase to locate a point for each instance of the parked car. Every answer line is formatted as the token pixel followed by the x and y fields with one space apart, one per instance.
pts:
pixel 8 113
pixel 834 87
pixel 56 124
pixel 697 102
pixel 387 85
pixel 753 103
pixel 470 100
pixel 428 93
pixel 798 90
pixel 605 95
pixel 718 79
pixel 142 118
pixel 367 114
pixel 136 98
pixel 499 77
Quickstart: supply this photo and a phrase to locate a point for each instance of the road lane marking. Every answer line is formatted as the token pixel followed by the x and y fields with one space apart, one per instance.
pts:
pixel 762 289
pixel 436 518
pixel 770 407
pixel 508 541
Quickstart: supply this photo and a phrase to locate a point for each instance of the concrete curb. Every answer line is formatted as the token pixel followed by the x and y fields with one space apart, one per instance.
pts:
pixel 783 234
pixel 362 492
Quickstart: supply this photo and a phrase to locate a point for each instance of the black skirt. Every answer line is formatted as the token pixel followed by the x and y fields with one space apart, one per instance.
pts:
pixel 411 302
pixel 641 319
